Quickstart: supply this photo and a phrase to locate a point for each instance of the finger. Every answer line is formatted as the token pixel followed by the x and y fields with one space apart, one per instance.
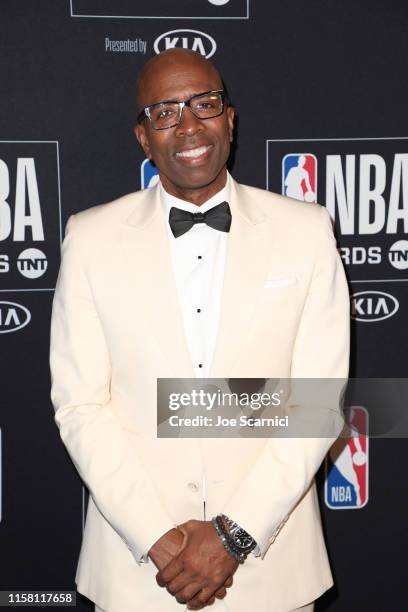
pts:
pixel 185 538
pixel 202 606
pixel 183 530
pixel 182 582
pixel 171 570
pixel 221 593
pixel 209 603
pixel 187 593
pixel 200 599
pixel 228 581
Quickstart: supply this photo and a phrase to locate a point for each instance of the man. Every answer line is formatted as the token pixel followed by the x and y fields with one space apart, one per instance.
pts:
pixel 148 290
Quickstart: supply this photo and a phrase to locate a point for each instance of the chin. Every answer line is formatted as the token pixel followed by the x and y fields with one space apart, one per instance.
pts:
pixel 198 179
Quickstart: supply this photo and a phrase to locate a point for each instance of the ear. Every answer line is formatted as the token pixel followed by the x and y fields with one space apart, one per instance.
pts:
pixel 140 133
pixel 230 120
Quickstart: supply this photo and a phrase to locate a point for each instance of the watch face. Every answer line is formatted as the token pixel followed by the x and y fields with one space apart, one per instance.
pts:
pixel 242 539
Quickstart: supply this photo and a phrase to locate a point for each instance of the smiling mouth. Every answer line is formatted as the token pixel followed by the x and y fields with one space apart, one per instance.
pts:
pixel 194 153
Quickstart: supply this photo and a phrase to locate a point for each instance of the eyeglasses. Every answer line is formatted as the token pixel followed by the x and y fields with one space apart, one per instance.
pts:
pixel 168 114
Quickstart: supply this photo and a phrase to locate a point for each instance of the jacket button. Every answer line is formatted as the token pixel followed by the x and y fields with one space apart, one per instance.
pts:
pixel 193 486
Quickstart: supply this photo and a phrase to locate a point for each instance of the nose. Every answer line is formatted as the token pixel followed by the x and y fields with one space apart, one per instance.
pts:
pixel 189 123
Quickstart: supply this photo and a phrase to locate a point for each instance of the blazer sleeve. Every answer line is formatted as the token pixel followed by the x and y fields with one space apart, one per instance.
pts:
pixel 286 466
pixel 80 392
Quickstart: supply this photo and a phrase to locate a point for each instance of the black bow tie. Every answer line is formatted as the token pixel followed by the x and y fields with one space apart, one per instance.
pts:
pixel 218 217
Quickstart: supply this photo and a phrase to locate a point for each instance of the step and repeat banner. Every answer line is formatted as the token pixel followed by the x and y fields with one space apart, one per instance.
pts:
pixel 321 100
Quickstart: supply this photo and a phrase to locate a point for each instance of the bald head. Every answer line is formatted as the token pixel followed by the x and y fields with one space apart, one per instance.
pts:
pixel 172 64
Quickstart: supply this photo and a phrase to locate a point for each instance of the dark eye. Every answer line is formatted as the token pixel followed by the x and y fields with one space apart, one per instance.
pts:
pixel 162 113
pixel 205 105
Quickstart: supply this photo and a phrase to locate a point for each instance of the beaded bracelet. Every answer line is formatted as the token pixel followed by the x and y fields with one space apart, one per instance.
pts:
pixel 226 540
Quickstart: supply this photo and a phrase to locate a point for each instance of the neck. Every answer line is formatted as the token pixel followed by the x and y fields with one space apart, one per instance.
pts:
pixel 197 195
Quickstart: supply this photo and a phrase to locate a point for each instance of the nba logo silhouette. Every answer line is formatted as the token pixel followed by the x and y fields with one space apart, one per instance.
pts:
pixel 149 175
pixel 299 177
pixel 346 484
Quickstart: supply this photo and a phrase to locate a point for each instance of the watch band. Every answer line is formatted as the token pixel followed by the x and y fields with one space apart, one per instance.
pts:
pixel 226 540
pixel 236 532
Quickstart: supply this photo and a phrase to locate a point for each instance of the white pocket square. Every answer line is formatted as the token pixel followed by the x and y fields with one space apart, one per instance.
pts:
pixel 280 282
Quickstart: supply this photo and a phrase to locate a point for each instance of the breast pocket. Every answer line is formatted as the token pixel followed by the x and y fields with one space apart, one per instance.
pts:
pixel 280 290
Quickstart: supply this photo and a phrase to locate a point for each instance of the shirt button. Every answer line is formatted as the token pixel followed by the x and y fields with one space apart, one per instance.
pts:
pixel 199 257
pixel 193 486
pixel 198 309
pixel 200 365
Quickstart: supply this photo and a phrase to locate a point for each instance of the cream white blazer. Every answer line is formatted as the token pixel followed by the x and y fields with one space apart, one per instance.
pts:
pixel 117 326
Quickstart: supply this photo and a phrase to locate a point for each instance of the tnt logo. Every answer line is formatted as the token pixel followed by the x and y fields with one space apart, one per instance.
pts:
pixel 32 263
pixel 299 176
pixel 398 255
pixel 346 485
pixel 149 175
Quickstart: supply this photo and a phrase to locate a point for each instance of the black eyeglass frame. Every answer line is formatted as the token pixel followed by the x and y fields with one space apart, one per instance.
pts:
pixel 186 103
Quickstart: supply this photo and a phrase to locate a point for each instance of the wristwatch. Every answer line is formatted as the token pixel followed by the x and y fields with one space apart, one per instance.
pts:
pixel 240 538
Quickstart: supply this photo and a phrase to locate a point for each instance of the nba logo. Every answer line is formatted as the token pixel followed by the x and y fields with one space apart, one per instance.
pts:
pixel 149 175
pixel 346 484
pixel 299 177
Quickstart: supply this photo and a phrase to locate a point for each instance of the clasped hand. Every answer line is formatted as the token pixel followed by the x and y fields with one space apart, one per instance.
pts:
pixel 202 568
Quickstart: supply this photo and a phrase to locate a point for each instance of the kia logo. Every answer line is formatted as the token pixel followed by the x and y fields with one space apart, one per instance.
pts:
pixel 13 317
pixel 186 39
pixel 368 306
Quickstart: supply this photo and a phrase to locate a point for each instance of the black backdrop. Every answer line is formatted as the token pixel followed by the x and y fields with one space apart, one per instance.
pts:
pixel 307 76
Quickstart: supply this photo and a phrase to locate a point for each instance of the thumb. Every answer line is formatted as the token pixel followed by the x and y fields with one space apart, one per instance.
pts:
pixel 185 537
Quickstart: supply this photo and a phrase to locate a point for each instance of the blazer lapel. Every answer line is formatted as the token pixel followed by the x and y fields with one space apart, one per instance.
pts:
pixel 152 283
pixel 249 250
